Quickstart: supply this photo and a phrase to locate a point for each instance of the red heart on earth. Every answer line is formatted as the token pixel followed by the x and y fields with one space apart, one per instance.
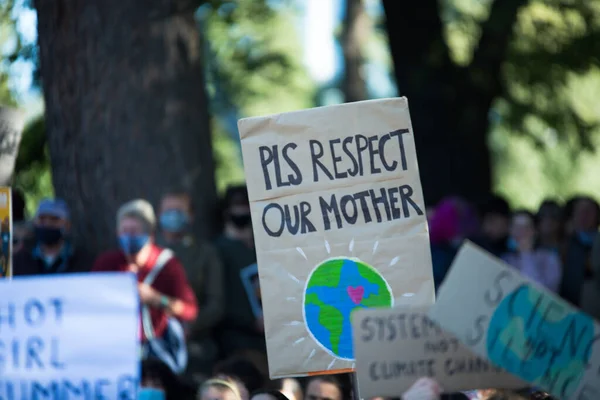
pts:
pixel 356 293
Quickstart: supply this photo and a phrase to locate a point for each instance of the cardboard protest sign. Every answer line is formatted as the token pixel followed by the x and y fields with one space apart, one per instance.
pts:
pixel 6 232
pixel 69 336
pixel 339 225
pixel 249 276
pixel 395 347
pixel 12 122
pixel 520 326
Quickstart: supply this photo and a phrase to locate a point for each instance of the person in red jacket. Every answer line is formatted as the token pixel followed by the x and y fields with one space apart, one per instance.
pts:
pixel 169 294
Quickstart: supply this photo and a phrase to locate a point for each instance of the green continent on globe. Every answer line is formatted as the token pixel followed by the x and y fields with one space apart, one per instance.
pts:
pixel 334 290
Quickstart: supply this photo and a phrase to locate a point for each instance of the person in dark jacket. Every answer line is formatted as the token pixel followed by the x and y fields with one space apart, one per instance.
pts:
pixel 53 251
pixel 578 273
pixel 241 329
pixel 495 217
pixel 204 270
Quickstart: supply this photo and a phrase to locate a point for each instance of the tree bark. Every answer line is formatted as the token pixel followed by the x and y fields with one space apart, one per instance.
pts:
pixel 126 109
pixel 354 34
pixel 449 104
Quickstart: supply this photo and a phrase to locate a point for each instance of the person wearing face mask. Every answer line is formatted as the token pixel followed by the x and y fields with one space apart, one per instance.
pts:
pixel 241 330
pixel 205 273
pixel 53 251
pixel 165 294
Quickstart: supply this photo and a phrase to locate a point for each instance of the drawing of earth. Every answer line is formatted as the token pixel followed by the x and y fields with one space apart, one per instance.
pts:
pixel 334 289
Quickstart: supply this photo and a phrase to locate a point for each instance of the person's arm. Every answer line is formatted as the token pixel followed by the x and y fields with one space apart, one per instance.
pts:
pixel 423 389
pixel 181 303
pixel 213 288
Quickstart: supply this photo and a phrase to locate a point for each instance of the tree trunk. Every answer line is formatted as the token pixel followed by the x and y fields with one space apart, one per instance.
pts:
pixel 354 35
pixel 449 105
pixel 126 109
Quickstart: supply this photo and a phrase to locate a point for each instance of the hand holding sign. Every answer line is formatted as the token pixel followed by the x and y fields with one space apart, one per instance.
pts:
pixel 148 295
pixel 423 389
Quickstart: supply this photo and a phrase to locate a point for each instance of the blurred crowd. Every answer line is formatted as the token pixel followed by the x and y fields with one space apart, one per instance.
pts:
pixel 201 337
pixel 557 246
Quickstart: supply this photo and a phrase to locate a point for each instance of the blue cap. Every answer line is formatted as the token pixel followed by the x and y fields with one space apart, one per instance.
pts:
pixel 53 207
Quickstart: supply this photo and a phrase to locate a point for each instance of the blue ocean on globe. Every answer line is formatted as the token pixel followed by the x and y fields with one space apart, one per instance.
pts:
pixel 334 290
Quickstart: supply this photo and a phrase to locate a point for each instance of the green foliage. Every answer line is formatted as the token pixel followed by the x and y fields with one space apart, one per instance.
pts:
pixel 256 57
pixel 556 42
pixel 7 37
pixel 253 61
pixel 32 168
pixel 527 173
pixel 229 169
pixel 549 112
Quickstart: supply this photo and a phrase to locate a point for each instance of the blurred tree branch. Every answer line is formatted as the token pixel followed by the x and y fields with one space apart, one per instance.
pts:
pixel 354 35
pixel 491 50
pixel 522 54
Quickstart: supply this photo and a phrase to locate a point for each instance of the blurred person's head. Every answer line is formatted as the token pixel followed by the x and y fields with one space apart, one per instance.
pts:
pixel 158 376
pixel 51 223
pixel 218 389
pixel 495 218
pixel 269 395
pixel 236 213
pixel 241 387
pixel 523 229
pixel 290 387
pixel 244 370
pixel 326 387
pixel 136 224
pixel 176 213
pixel 586 215
pixel 550 220
pixel 453 221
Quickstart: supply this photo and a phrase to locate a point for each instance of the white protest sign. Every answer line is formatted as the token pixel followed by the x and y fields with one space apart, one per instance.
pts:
pixel 520 326
pixel 69 337
pixel 395 347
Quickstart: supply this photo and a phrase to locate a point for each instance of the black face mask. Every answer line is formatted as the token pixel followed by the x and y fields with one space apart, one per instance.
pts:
pixel 240 220
pixel 48 236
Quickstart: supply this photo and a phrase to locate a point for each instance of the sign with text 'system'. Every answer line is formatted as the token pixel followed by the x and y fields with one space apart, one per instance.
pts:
pixel 520 326
pixel 339 224
pixel 395 347
pixel 69 337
